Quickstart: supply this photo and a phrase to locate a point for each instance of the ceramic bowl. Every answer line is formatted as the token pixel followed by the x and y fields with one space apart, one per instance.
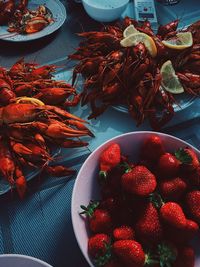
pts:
pixel 17 260
pixel 105 10
pixel 86 187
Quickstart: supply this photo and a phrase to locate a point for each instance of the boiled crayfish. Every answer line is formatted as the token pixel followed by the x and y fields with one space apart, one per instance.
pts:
pixel 29 126
pixel 130 75
pixel 8 8
pixel 22 20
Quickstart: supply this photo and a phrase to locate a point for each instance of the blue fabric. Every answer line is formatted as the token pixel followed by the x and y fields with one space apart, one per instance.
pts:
pixel 40 225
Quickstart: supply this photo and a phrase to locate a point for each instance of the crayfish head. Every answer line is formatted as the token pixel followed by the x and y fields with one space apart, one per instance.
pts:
pixel 20 112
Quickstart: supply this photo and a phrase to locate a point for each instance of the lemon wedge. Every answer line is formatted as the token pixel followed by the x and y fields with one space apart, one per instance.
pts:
pixel 182 41
pixel 129 30
pixel 31 100
pixel 140 37
pixel 170 80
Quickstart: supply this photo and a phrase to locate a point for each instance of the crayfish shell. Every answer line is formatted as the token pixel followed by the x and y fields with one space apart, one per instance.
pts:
pixel 35 25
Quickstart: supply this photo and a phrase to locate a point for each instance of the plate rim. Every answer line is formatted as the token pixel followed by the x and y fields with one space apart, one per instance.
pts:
pixel 21 256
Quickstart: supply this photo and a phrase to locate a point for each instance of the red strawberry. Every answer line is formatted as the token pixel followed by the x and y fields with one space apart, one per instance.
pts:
pixel 100 220
pixel 152 148
pixel 194 177
pixel 110 204
pixel 139 181
pixel 186 257
pixel 168 165
pixel 172 214
pixel 109 158
pixel 148 228
pixel 130 252
pixel 172 189
pixel 123 233
pixel 188 158
pixel 182 236
pixel 97 245
pixel 193 204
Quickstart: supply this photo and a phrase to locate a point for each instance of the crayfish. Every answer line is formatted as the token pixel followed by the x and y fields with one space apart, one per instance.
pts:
pixel 33 119
pixel 8 8
pixel 22 20
pixel 130 75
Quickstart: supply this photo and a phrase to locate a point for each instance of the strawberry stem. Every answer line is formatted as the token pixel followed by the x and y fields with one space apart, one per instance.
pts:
pixel 156 200
pixel 125 166
pixel 103 175
pixel 149 260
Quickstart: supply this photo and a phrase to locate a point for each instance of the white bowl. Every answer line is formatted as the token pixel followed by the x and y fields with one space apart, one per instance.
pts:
pixel 86 187
pixel 17 260
pixel 105 12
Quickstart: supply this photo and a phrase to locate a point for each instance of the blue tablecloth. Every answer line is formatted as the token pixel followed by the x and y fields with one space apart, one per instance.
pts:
pixel 40 225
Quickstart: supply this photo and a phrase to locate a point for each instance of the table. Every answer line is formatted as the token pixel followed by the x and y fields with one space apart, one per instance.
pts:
pixel 40 225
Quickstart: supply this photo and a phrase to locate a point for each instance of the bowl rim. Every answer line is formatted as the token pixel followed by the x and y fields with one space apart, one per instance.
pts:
pixel 21 256
pixel 91 155
pixel 101 8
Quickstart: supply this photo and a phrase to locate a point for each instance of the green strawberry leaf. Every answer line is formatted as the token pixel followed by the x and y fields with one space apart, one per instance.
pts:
pixel 167 254
pixel 100 261
pixel 89 210
pixel 125 166
pixel 183 156
pixel 150 259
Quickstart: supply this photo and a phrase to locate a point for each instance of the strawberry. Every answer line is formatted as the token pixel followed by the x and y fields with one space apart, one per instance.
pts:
pixel 123 233
pixel 188 158
pixel 131 253
pixel 172 214
pixel 194 177
pixel 172 189
pixel 186 257
pixel 110 204
pixel 193 205
pixel 139 181
pixel 148 228
pixel 97 245
pixel 168 165
pixel 182 236
pixel 100 220
pixel 109 158
pixel 152 148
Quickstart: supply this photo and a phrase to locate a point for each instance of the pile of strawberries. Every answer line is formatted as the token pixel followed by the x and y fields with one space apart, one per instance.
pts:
pixel 150 210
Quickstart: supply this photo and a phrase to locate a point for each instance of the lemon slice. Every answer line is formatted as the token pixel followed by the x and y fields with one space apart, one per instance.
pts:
pixel 31 100
pixel 181 41
pixel 129 30
pixel 170 80
pixel 140 37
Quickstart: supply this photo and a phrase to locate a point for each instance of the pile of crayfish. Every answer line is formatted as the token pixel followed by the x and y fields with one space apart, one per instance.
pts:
pixel 29 126
pixel 130 75
pixel 22 20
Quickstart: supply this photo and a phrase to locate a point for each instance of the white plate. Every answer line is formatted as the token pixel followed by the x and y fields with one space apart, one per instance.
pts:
pixel 17 260
pixel 86 187
pixel 59 14
pixel 183 101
